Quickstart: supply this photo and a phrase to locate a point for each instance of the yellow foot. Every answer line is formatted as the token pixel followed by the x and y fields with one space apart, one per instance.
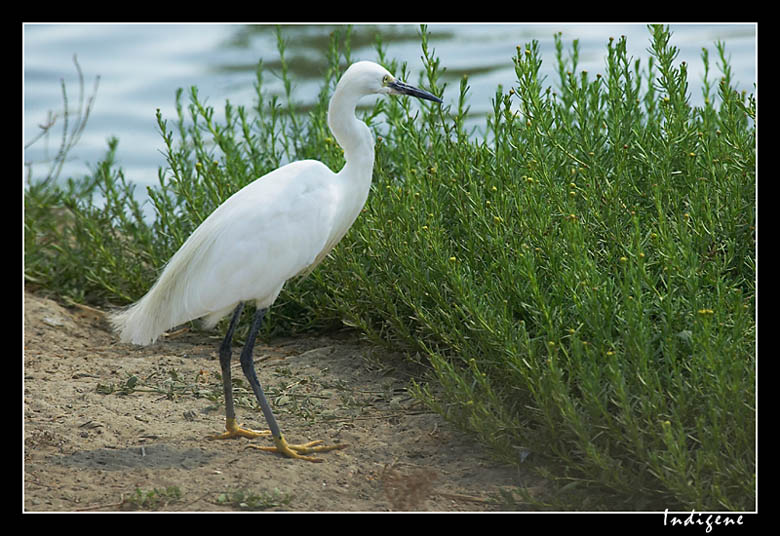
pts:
pixel 233 430
pixel 297 451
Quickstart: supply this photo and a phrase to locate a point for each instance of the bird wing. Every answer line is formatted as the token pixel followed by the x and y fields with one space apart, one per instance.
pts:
pixel 266 233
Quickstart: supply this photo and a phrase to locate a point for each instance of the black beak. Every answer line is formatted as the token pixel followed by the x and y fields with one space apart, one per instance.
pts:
pixel 405 89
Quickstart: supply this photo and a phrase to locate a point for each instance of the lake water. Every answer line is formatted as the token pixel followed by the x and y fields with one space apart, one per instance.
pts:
pixel 141 66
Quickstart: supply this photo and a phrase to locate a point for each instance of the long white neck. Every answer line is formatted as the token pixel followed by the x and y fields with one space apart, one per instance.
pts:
pixel 352 135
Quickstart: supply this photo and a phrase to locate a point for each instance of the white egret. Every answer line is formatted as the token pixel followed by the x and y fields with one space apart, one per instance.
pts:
pixel 279 226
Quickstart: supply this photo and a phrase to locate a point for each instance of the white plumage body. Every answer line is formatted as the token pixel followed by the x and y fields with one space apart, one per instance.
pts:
pixel 246 249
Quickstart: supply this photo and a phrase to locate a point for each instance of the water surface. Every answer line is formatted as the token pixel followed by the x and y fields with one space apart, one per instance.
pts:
pixel 142 65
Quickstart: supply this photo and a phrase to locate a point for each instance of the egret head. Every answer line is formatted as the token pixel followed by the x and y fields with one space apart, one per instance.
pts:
pixel 368 77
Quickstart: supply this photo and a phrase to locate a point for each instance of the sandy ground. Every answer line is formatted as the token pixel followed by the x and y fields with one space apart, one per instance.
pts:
pixel 112 427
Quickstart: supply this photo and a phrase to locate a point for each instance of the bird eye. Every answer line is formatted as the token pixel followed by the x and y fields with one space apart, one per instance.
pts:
pixel 385 79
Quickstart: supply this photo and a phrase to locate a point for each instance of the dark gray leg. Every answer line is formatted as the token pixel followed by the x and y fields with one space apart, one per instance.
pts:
pixel 225 353
pixel 248 366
